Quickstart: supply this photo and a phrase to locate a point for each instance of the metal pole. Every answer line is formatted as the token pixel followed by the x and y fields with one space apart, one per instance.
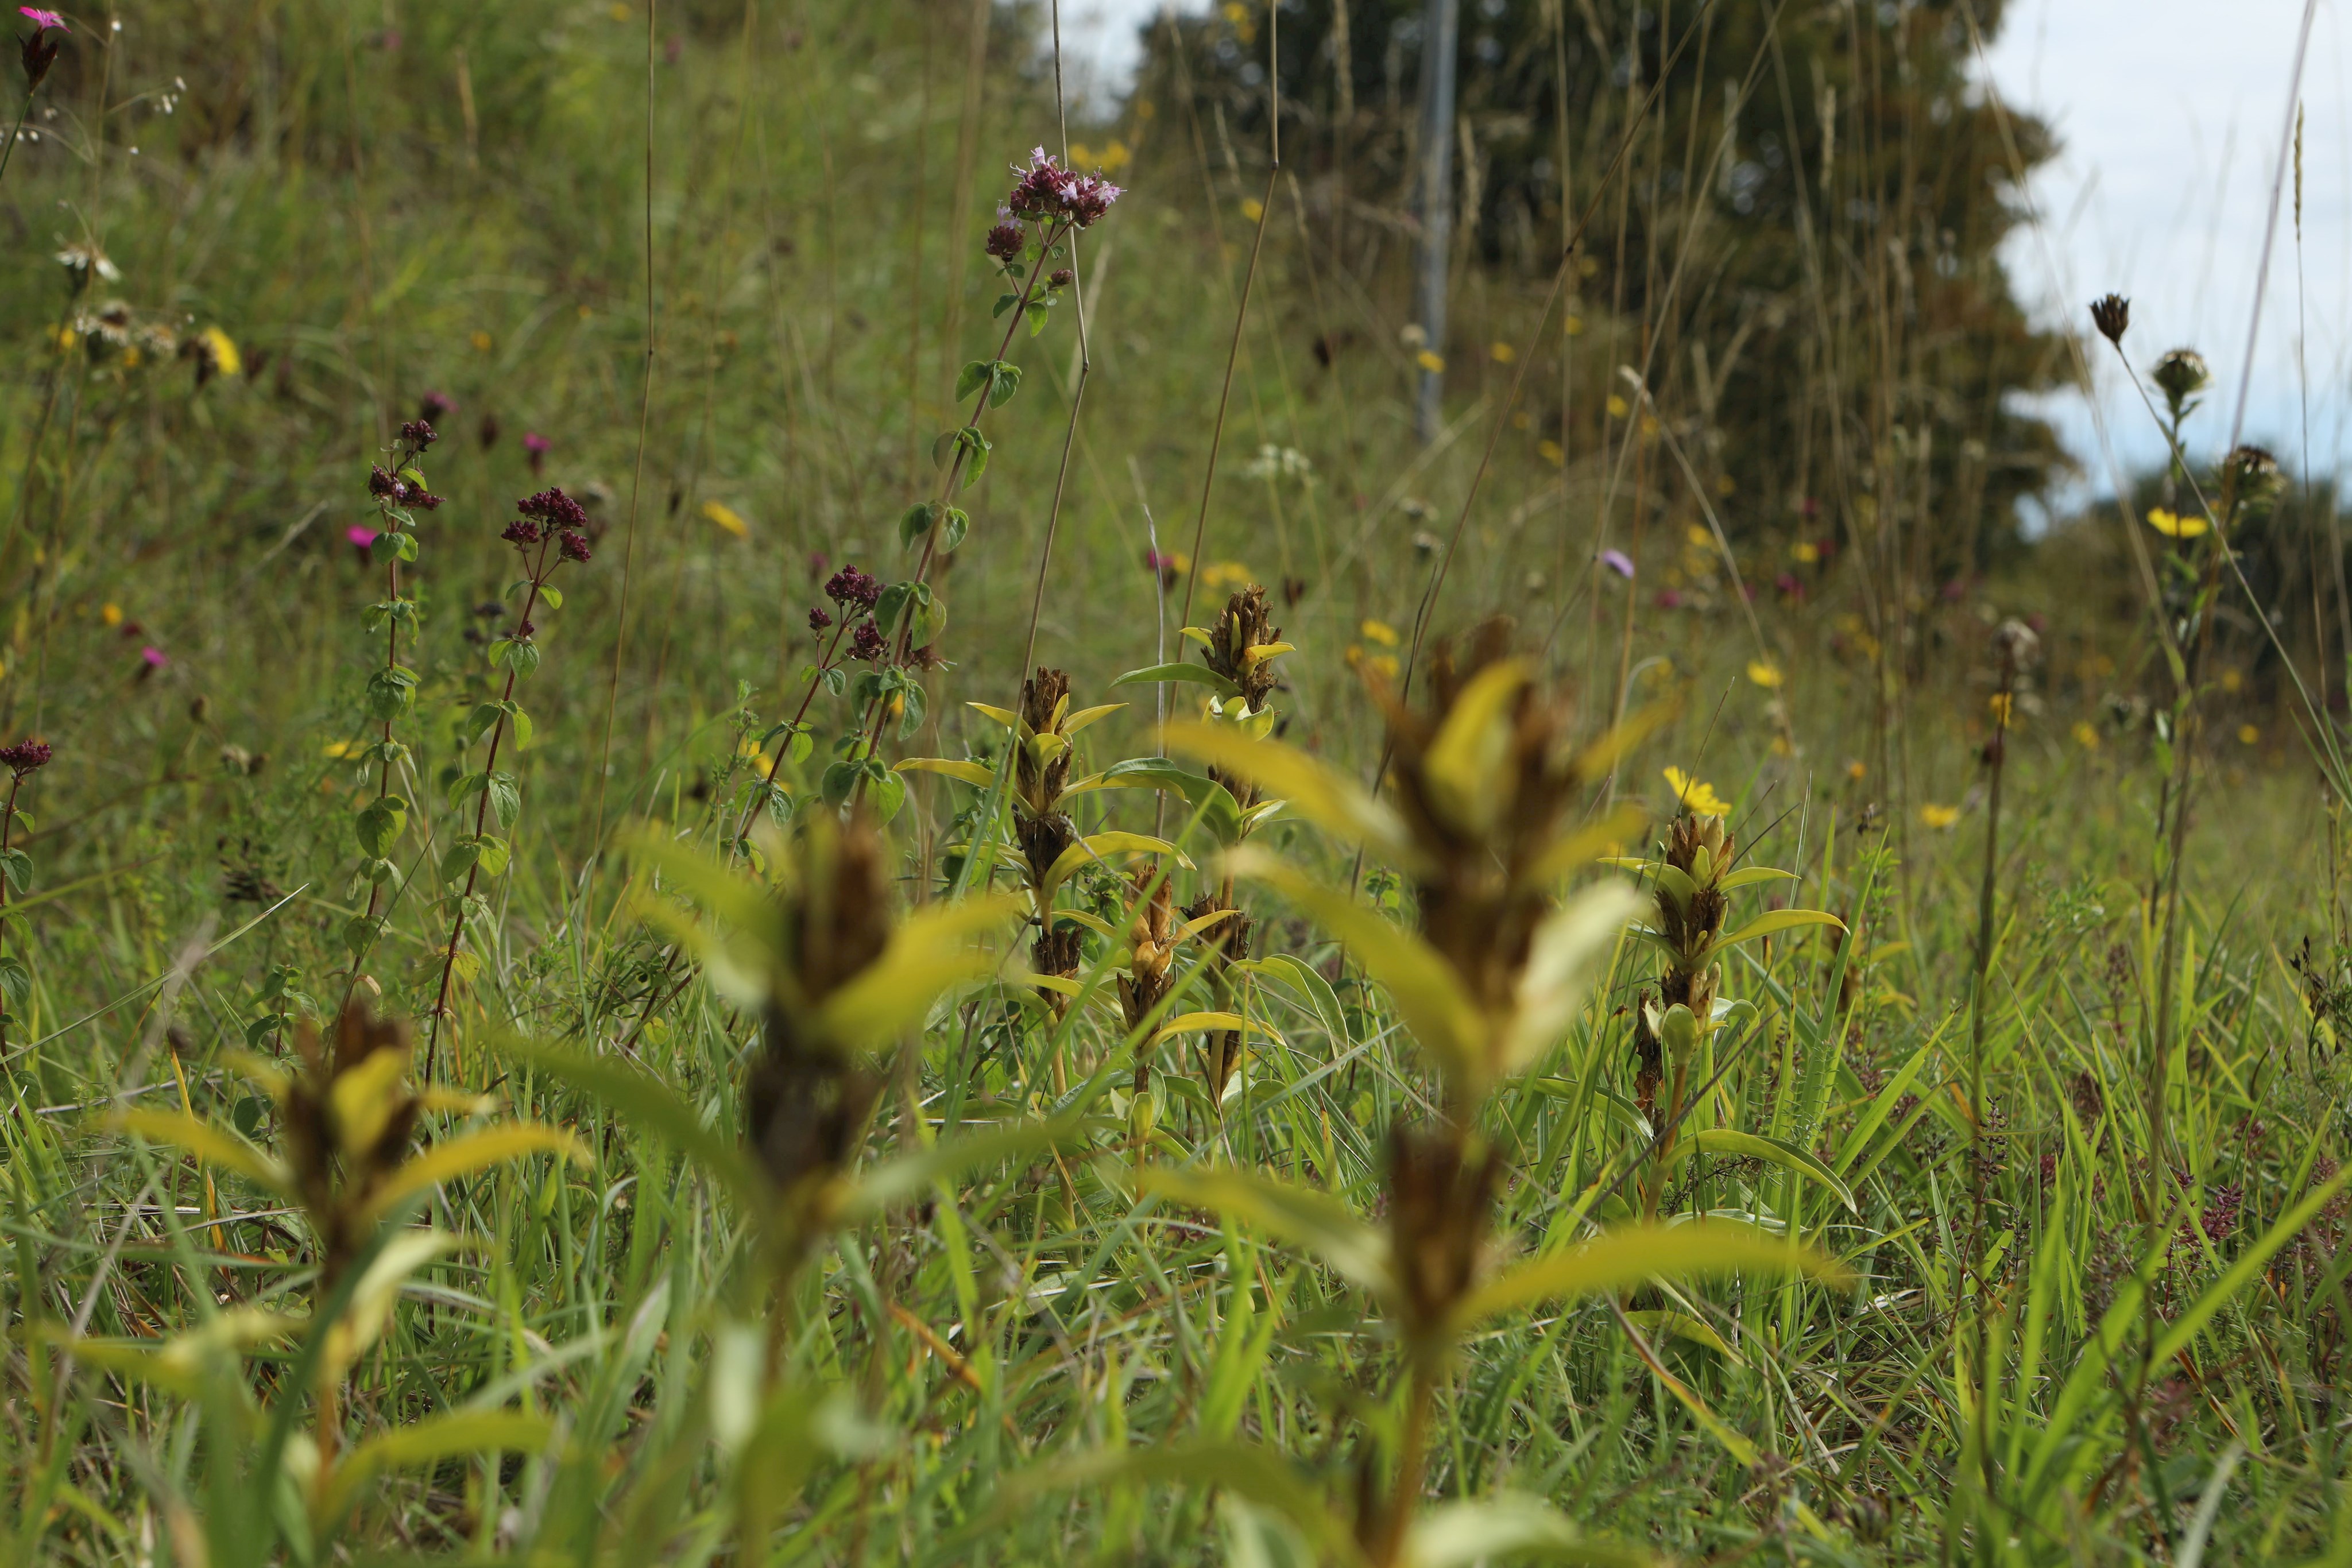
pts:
pixel 1440 24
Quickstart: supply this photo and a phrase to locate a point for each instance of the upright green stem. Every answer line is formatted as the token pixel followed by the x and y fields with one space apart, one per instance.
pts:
pixel 539 573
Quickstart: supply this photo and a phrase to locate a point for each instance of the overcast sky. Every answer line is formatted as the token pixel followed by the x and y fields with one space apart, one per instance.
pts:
pixel 2169 115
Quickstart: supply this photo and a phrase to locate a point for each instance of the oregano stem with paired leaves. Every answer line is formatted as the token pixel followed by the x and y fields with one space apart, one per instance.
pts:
pixel 400 493
pixel 551 529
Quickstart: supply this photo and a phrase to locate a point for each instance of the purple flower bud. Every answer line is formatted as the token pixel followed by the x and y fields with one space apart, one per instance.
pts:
pixel 526 629
pixel 1618 561
pixel 1042 191
pixel 865 642
pixel 534 446
pixel 818 619
pixel 574 546
pixel 852 589
pixel 426 501
pixel 522 533
pixel 1007 239
pixel 25 756
pixel 381 483
pixel 554 508
pixel 1061 277
pixel 436 407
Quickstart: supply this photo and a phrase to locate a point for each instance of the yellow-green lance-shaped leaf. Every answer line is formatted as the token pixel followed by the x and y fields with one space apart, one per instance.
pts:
pixel 1330 799
pixel 1465 765
pixel 1620 1259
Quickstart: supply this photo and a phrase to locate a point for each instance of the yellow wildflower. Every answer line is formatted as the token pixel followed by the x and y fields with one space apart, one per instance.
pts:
pixel 727 517
pixel 2003 707
pixel 1618 407
pixel 2085 735
pixel 1699 536
pixel 1502 353
pixel 1550 452
pixel 2173 526
pixel 1725 485
pixel 481 341
pixel 1939 816
pixel 2248 735
pixel 225 358
pixel 1699 799
pixel 1806 552
pixel 1216 574
pixel 1253 209
pixel 1765 674
pixel 340 748
pixel 1573 327
pixel 1430 361
pixel 111 614
pixel 1379 631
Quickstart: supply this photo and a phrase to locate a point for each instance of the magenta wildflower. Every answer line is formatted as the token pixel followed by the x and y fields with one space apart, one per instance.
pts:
pixel 156 657
pixel 534 446
pixel 361 537
pixel 25 756
pixel 1618 561
pixel 39 50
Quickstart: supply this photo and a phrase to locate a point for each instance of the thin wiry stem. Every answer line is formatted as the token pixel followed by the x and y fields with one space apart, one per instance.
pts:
pixel 638 480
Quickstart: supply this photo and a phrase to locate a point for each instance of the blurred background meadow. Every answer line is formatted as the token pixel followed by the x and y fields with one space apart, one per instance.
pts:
pixel 1736 370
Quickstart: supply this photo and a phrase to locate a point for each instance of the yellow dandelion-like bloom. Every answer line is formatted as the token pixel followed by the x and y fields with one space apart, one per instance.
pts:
pixel 1253 209
pixel 110 613
pixel 1697 798
pixel 341 749
pixel 1502 353
pixel 1216 574
pixel 1939 816
pixel 1386 663
pixel 225 358
pixel 2248 735
pixel 1430 361
pixel 1805 552
pixel 1855 770
pixel 1573 327
pixel 1699 537
pixel 481 341
pixel 2173 526
pixel 1765 675
pixel 2233 678
pixel 1379 631
pixel 1550 451
pixel 1618 407
pixel 2085 735
pixel 727 517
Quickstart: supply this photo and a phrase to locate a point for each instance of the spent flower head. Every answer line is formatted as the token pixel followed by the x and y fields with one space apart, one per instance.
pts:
pixel 2111 314
pixel 1007 239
